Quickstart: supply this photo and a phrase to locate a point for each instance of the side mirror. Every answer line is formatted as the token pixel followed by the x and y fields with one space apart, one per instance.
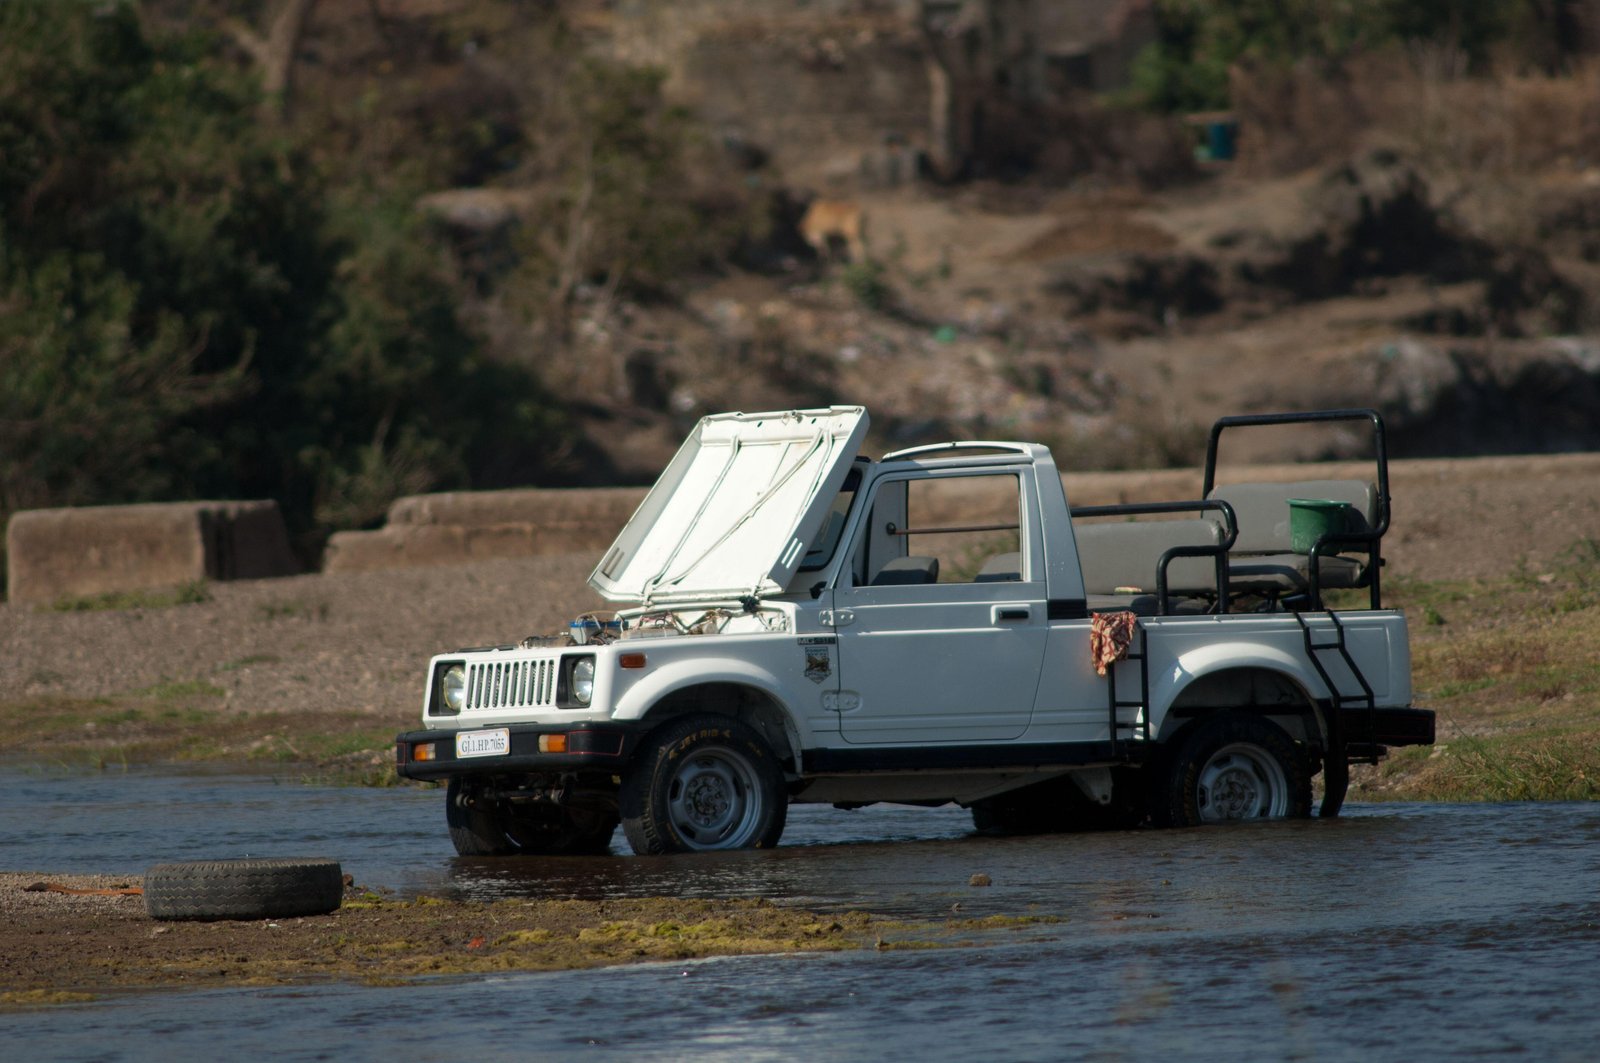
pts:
pixel 817 589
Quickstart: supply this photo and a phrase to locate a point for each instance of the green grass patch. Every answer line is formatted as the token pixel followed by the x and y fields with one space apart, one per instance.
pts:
pixel 342 748
pixel 291 609
pixel 1545 766
pixel 178 689
pixel 1468 686
pixel 192 593
pixel 867 282
pixel 246 662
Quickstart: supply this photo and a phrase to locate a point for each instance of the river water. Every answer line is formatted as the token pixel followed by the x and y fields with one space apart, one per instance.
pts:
pixel 1408 932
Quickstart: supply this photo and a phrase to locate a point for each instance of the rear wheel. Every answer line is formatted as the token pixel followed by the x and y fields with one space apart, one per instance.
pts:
pixel 1234 767
pixel 700 783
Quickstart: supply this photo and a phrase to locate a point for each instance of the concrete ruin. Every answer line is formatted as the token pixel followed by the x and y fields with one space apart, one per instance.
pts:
pixel 53 554
pixel 460 526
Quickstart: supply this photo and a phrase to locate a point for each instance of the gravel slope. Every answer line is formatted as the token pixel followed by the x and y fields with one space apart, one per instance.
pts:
pixel 347 642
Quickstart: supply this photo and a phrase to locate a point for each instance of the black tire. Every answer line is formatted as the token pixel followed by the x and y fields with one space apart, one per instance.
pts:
pixel 701 783
pixel 1233 766
pixel 482 827
pixel 477 828
pixel 259 888
pixel 545 830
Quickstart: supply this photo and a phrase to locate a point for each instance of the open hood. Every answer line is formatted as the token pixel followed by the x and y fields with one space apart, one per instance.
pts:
pixel 733 512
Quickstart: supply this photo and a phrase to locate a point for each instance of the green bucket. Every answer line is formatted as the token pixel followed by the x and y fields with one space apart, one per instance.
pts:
pixel 1312 518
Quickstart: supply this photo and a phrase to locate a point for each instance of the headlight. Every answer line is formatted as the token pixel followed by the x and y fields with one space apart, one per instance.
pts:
pixel 453 687
pixel 583 680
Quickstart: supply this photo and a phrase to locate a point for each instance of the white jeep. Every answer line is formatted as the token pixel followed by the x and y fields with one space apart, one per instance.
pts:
pixel 800 623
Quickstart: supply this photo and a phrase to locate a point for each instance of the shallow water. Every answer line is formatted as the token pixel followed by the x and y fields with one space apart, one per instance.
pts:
pixel 1398 931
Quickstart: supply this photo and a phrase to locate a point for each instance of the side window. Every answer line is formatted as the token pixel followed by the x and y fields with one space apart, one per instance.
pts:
pixel 954 529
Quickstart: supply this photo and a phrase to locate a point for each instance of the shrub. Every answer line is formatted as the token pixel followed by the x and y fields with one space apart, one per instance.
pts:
pixel 189 307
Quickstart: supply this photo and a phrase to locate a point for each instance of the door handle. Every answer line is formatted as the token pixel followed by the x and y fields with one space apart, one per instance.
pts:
pixel 1003 614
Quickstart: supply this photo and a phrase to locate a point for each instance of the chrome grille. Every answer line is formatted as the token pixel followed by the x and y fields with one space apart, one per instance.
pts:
pixel 511 685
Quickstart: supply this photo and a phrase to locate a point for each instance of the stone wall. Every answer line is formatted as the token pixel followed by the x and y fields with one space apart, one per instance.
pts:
pixel 56 553
pixel 460 526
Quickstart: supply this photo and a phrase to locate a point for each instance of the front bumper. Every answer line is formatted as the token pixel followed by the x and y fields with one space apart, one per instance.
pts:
pixel 589 747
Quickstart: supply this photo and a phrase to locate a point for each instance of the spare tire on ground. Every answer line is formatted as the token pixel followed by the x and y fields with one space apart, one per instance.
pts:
pixel 256 888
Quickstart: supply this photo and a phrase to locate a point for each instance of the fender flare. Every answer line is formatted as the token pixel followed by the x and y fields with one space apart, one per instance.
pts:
pixel 1206 661
pixel 675 676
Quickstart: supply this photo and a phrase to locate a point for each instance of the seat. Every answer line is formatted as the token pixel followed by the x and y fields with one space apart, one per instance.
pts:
pixel 1263 560
pixel 907 571
pixel 1120 562
pixel 1001 568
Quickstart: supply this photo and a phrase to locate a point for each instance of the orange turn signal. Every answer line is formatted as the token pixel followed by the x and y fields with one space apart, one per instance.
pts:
pixel 552 743
pixel 424 751
pixel 631 660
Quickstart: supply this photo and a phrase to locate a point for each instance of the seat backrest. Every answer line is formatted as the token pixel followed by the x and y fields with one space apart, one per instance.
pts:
pixel 905 571
pixel 1262 509
pixel 1001 568
pixel 1126 554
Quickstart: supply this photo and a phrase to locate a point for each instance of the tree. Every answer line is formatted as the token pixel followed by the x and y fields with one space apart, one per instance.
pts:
pixel 189 309
pixel 274 51
pixel 110 205
pixel 1186 69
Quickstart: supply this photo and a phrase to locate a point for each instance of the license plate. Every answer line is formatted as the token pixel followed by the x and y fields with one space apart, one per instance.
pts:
pixel 495 742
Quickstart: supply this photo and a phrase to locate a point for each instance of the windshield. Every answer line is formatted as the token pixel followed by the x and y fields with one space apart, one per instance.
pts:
pixel 820 552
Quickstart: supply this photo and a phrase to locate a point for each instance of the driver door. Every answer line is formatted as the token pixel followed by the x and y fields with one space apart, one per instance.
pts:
pixel 942 621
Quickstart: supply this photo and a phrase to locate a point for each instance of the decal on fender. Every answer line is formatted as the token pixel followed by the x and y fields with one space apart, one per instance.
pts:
pixel 818 653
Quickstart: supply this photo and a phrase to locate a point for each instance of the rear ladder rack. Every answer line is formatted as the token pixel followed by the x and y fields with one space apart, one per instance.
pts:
pixel 1342 752
pixel 1139 729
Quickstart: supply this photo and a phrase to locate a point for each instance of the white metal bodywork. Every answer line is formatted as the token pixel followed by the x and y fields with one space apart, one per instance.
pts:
pixel 1067 701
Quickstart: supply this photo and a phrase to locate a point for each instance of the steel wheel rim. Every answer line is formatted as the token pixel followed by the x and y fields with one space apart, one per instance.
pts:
pixel 1242 781
pixel 714 800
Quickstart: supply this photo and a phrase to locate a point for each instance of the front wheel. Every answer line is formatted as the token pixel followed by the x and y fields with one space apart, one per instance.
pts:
pixel 700 783
pixel 481 826
pixel 477 826
pixel 1234 767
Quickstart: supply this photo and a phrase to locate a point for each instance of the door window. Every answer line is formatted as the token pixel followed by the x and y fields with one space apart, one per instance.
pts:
pixel 948 529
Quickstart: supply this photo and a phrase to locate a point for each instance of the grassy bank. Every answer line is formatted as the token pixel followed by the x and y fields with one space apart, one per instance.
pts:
pixel 182 722
pixel 1512 667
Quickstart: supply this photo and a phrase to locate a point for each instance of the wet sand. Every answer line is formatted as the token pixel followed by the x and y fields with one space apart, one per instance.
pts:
pixel 63 948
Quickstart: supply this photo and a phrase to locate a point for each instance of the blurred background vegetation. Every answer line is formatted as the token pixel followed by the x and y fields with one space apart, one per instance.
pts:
pixel 237 265
pixel 1199 42
pixel 208 289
